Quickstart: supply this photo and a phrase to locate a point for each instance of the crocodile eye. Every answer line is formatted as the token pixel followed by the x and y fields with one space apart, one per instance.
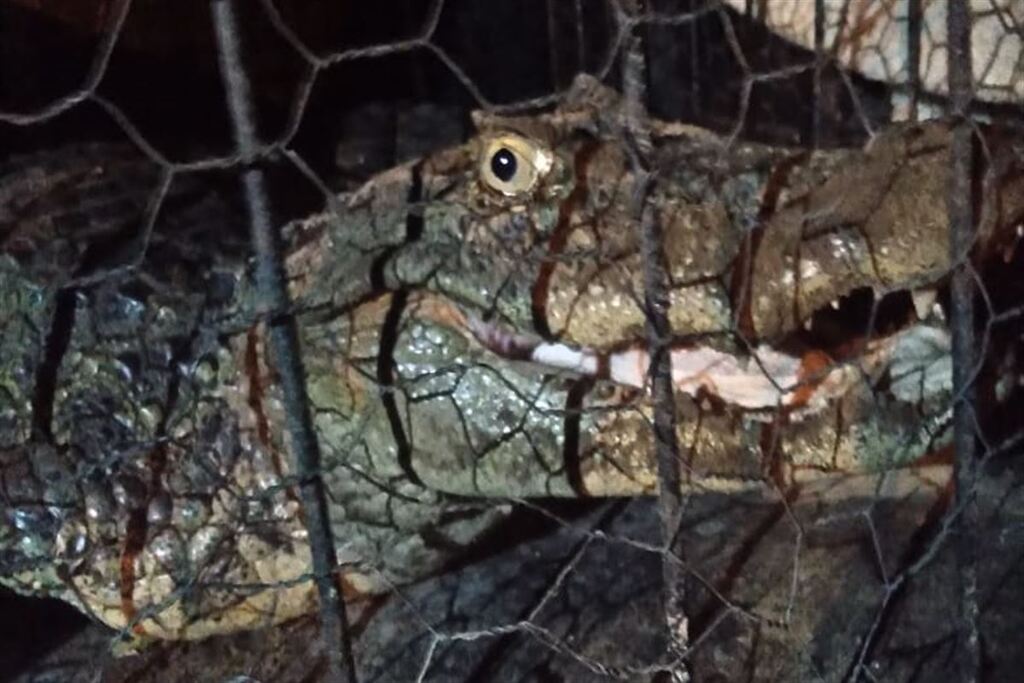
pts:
pixel 504 164
pixel 512 164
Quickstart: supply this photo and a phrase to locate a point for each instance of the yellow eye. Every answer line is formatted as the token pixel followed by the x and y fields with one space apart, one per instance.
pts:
pixel 512 164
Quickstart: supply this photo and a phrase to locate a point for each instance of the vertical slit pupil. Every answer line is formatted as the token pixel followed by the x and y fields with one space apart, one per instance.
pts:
pixel 503 164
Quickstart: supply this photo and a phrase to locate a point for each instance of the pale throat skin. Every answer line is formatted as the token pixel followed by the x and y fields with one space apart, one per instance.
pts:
pixel 472 334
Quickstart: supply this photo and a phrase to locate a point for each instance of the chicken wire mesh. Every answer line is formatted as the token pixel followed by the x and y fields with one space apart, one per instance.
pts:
pixel 463 386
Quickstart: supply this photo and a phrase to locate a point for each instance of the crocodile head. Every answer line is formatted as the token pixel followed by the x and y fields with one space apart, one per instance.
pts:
pixel 509 273
pixel 472 332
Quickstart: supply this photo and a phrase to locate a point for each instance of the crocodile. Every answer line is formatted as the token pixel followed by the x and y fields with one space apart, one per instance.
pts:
pixel 871 37
pixel 471 325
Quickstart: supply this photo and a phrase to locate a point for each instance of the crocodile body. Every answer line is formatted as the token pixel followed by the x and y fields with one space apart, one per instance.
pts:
pixel 471 336
pixel 872 37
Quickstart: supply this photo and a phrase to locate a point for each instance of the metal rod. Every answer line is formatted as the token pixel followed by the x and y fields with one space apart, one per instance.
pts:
pixel 961 220
pixel 284 348
pixel 819 63
pixel 914 28
pixel 659 335
pixel 554 47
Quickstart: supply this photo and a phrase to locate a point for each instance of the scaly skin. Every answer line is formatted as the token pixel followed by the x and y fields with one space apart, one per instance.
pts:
pixel 149 485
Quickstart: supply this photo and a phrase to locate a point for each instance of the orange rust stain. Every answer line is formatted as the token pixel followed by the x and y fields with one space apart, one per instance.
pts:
pixel 560 237
pixel 257 390
pixel 366 314
pixel 773 463
pixel 440 311
pixel 347 588
pixel 255 398
pixel 864 22
pixel 939 456
pixel 135 538
pixel 813 368
pixel 741 281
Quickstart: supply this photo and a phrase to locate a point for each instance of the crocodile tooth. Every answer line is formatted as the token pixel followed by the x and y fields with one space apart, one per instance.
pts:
pixel 834 304
pixel 923 301
pixel 808 322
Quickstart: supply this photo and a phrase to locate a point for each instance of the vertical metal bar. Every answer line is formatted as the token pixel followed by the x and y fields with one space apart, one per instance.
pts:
pixel 695 68
pixel 961 219
pixel 662 74
pixel 581 45
pixel 284 347
pixel 914 29
pixel 819 63
pixel 659 336
pixel 670 500
pixel 554 46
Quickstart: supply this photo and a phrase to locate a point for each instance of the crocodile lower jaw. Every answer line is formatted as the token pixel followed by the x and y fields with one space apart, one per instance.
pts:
pixel 764 379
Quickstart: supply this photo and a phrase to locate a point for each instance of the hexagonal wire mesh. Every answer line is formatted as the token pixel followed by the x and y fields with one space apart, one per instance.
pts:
pixel 710 373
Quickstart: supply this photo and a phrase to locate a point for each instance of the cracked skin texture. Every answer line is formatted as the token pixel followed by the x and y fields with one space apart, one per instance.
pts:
pixel 144 471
